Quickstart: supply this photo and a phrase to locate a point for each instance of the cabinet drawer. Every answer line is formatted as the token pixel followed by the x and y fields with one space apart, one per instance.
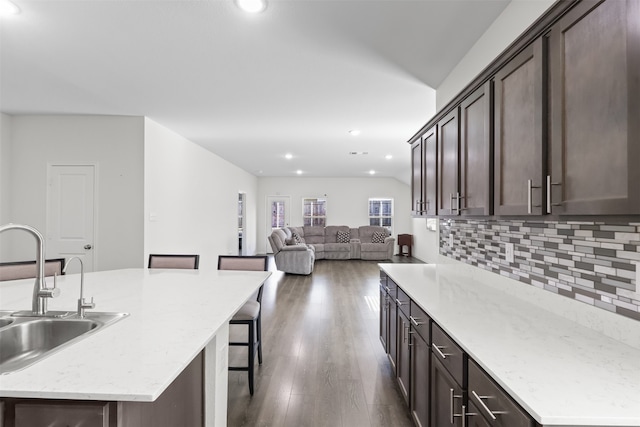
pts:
pixel 493 403
pixel 420 322
pixel 403 301
pixel 383 278
pixel 31 414
pixel 448 352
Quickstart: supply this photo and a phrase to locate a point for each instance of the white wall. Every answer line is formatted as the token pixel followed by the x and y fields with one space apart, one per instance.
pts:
pixel 347 200
pixel 511 23
pixel 5 179
pixel 191 199
pixel 115 144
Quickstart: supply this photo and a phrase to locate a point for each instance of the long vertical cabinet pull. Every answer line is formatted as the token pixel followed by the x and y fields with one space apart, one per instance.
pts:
pixel 453 415
pixel 549 201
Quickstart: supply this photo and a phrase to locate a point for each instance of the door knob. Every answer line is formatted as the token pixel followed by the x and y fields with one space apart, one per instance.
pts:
pixel 88 246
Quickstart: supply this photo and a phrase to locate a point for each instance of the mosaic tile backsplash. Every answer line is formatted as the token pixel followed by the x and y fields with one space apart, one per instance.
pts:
pixel 592 262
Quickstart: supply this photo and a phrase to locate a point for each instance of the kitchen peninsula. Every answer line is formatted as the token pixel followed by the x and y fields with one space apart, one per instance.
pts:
pixel 507 351
pixel 178 319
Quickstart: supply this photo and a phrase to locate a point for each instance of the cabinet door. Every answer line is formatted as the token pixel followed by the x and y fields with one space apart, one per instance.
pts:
pixel 420 363
pixel 475 153
pixel 417 177
pixel 474 417
pixel 393 330
pixel 403 363
pixel 519 124
pixel 384 319
pixel 430 151
pixel 595 109
pixel 447 397
pixel 448 169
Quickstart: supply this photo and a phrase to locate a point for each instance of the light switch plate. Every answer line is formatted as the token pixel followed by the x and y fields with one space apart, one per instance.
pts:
pixel 638 277
pixel 451 240
pixel 508 249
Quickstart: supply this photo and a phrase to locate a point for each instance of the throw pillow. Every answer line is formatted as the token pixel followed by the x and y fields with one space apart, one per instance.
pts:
pixel 343 237
pixel 297 239
pixel 378 237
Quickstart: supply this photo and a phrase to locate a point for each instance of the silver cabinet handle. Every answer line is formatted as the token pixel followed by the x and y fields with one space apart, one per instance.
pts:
pixel 414 320
pixel 530 188
pixel 452 414
pixel 387 288
pixel 491 414
pixel 88 246
pixel 399 302
pixel 438 349
pixel 549 186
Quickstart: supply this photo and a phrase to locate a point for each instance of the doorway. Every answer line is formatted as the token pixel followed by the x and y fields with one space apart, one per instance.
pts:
pixel 71 199
pixel 242 198
pixel 278 215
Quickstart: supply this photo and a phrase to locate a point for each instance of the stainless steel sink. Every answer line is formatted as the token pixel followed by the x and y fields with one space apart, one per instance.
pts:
pixel 5 322
pixel 27 340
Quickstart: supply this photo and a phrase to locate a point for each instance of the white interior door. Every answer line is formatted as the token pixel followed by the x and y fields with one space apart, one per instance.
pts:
pixel 278 214
pixel 70 214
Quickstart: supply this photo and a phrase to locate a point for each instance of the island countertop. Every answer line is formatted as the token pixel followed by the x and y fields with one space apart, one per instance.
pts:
pixel 561 372
pixel 173 314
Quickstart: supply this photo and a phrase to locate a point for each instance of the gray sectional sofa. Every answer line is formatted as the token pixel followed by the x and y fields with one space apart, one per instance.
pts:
pixel 298 254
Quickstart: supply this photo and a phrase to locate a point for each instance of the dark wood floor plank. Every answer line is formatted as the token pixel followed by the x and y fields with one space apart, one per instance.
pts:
pixel 323 362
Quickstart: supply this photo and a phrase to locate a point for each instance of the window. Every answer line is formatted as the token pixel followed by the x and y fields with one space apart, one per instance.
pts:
pixel 314 211
pixel 381 213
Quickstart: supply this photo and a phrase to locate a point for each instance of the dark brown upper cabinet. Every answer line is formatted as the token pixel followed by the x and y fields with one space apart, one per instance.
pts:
pixel 430 161
pixel 519 125
pixel 594 71
pixel 475 153
pixel 448 164
pixel 417 178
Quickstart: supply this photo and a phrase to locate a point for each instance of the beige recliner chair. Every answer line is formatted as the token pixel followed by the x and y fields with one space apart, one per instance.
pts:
pixel 295 259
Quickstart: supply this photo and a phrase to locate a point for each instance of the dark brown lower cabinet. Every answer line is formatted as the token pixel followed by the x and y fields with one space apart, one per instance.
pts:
pixel 403 363
pixel 384 319
pixel 492 403
pixel 447 397
pixel 420 363
pixel 393 334
pixel 181 404
pixel 474 419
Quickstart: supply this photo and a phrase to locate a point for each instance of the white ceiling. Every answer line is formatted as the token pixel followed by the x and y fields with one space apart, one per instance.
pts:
pixel 250 88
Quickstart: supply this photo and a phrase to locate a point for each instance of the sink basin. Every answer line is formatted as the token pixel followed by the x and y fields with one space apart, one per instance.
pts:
pixel 5 321
pixel 28 340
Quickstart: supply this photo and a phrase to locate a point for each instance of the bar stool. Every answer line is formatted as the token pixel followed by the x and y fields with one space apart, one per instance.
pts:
pixel 250 314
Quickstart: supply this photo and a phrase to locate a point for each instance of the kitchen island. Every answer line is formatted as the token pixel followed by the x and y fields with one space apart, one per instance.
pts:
pixel 175 317
pixel 564 362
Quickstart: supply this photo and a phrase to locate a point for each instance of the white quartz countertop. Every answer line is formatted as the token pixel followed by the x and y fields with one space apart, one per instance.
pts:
pixel 560 372
pixel 173 315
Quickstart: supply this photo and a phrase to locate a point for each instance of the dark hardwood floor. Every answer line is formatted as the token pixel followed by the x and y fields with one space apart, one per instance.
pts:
pixel 323 364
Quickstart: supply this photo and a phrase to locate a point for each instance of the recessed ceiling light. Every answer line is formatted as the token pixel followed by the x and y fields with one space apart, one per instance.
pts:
pixel 388 157
pixel 372 172
pixel 354 132
pixel 288 156
pixel 8 8
pixel 252 6
pixel 299 172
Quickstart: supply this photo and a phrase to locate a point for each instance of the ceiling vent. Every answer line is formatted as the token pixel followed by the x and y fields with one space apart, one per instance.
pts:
pixel 358 153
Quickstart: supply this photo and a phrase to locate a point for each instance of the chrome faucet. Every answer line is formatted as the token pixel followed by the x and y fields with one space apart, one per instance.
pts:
pixel 82 304
pixel 40 290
